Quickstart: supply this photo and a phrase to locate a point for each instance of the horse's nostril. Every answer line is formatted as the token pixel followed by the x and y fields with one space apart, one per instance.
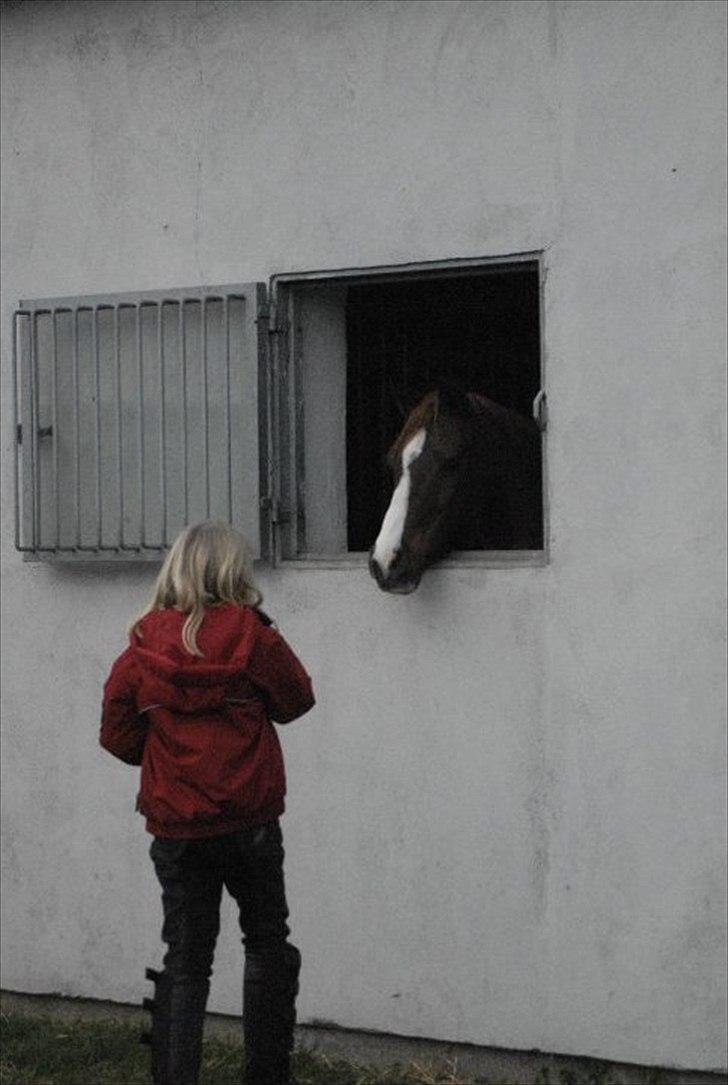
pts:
pixel 375 570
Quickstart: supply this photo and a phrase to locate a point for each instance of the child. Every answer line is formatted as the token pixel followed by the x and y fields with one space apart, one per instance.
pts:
pixel 191 700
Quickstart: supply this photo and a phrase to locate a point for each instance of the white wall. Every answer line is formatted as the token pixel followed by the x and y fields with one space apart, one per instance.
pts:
pixel 506 819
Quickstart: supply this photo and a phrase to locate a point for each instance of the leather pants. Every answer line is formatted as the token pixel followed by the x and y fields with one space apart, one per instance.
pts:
pixel 192 873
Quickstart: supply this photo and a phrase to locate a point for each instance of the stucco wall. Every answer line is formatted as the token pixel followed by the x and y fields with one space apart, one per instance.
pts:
pixel 506 819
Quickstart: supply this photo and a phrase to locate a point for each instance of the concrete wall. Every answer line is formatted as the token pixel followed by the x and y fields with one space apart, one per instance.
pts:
pixel 506 818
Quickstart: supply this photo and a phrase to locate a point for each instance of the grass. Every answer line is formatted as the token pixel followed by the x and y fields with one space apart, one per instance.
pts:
pixel 48 1051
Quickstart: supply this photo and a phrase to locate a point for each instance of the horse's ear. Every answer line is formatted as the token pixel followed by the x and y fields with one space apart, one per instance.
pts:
pixel 454 400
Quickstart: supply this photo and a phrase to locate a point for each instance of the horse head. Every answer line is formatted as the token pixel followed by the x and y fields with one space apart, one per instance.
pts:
pixel 466 476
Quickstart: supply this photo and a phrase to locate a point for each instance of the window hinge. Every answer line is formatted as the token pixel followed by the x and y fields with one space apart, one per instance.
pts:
pixel 276 514
pixel 43 431
pixel 540 410
pixel 266 317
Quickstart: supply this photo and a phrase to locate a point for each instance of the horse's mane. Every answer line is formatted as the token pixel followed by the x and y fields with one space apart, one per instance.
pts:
pixel 486 413
pixel 420 417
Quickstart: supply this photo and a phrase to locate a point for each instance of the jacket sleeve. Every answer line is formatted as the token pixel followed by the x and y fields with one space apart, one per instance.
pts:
pixel 123 730
pixel 284 684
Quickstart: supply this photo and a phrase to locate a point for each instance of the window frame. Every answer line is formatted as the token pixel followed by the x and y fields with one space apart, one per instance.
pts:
pixel 288 416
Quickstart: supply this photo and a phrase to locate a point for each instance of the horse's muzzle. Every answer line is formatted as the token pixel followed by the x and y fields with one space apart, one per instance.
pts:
pixel 395 581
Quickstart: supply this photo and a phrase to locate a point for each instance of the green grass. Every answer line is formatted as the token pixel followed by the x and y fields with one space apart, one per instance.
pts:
pixel 47 1051
pixel 50 1051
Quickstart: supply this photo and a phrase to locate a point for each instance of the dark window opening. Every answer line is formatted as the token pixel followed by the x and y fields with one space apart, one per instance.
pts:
pixel 480 332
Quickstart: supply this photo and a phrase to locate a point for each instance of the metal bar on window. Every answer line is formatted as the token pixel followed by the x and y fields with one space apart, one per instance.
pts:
pixel 18 431
pixel 54 427
pixel 140 377
pixel 76 438
pixel 204 406
pixel 228 426
pixel 97 419
pixel 268 392
pixel 119 427
pixel 183 365
pixel 162 428
pixel 79 544
pixel 124 545
pixel 34 427
pixel 102 340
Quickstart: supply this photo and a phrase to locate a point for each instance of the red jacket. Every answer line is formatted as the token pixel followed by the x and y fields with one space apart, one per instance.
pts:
pixel 201 728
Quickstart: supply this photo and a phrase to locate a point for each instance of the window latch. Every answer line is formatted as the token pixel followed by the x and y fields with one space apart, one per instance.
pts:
pixel 540 410
pixel 43 431
pixel 276 514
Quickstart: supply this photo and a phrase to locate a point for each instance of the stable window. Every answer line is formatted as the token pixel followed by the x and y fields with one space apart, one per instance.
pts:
pixel 271 408
pixel 357 350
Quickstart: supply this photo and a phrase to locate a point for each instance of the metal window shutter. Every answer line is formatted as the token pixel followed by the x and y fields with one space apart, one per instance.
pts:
pixel 137 414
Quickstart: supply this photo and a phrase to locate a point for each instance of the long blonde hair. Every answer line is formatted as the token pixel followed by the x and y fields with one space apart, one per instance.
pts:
pixel 208 564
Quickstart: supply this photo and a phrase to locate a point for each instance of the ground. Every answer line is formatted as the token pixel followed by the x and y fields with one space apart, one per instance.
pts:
pixel 53 1051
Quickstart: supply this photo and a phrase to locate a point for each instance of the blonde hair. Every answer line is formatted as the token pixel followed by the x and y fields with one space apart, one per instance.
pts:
pixel 209 563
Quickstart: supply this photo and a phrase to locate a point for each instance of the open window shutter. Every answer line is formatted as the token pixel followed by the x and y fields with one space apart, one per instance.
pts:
pixel 137 414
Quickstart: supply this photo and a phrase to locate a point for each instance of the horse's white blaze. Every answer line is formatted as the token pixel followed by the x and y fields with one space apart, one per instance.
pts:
pixel 390 534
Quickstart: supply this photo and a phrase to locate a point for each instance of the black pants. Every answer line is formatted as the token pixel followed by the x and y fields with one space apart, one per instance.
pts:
pixel 192 873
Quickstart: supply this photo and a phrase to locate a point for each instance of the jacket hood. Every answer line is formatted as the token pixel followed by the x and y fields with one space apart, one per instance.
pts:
pixel 173 678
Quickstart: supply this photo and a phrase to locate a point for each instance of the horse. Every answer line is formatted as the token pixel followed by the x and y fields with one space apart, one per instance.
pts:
pixel 467 476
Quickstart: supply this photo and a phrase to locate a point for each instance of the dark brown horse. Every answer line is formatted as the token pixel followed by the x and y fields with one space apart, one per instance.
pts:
pixel 467 476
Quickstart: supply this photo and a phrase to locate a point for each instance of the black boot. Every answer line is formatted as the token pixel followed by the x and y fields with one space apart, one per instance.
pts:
pixel 158 1038
pixel 269 1014
pixel 178 1016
